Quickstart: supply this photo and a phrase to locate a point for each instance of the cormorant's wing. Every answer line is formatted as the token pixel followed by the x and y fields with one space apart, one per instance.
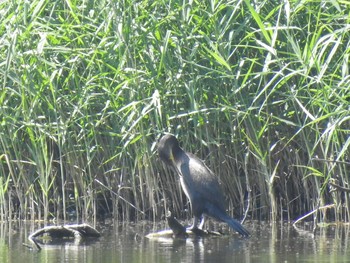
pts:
pixel 202 180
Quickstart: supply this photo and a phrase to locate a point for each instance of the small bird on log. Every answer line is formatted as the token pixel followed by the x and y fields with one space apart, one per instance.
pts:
pixel 199 183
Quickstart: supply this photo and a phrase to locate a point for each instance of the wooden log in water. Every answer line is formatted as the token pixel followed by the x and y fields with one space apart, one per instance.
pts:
pixel 177 230
pixel 75 231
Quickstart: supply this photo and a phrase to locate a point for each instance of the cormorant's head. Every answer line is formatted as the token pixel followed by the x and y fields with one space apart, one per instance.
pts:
pixel 167 146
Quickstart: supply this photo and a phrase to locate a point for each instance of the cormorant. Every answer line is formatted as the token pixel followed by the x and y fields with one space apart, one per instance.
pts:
pixel 199 183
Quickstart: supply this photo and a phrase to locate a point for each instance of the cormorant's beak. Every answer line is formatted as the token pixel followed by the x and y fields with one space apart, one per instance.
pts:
pixel 172 161
pixel 171 157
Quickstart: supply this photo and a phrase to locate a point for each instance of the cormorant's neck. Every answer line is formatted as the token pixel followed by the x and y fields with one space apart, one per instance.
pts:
pixel 177 152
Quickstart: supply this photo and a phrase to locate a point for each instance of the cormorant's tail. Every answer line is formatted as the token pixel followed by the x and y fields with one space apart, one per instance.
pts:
pixel 234 224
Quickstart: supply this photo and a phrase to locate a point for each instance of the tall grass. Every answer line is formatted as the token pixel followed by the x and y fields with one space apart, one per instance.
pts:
pixel 258 90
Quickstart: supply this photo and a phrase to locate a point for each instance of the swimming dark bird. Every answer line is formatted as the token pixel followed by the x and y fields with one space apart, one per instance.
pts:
pixel 199 183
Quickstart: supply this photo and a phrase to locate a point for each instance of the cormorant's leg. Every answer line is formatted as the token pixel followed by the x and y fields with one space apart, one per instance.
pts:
pixel 195 223
pixel 201 224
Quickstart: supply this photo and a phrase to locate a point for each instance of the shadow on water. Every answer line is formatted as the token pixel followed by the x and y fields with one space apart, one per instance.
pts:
pixel 126 243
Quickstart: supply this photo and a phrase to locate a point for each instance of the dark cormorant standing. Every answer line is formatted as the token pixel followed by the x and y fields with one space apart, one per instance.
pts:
pixel 199 183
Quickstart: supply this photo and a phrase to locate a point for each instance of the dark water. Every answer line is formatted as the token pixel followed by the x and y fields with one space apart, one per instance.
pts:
pixel 126 243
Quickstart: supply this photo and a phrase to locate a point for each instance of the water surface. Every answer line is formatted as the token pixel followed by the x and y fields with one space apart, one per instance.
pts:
pixel 126 242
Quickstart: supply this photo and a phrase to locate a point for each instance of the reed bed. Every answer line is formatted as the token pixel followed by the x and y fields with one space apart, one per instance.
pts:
pixel 258 89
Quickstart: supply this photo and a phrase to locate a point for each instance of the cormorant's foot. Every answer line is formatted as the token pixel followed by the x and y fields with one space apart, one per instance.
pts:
pixel 191 228
pixel 178 229
pixel 196 231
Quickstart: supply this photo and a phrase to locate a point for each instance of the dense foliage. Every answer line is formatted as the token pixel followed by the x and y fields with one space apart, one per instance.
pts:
pixel 258 89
